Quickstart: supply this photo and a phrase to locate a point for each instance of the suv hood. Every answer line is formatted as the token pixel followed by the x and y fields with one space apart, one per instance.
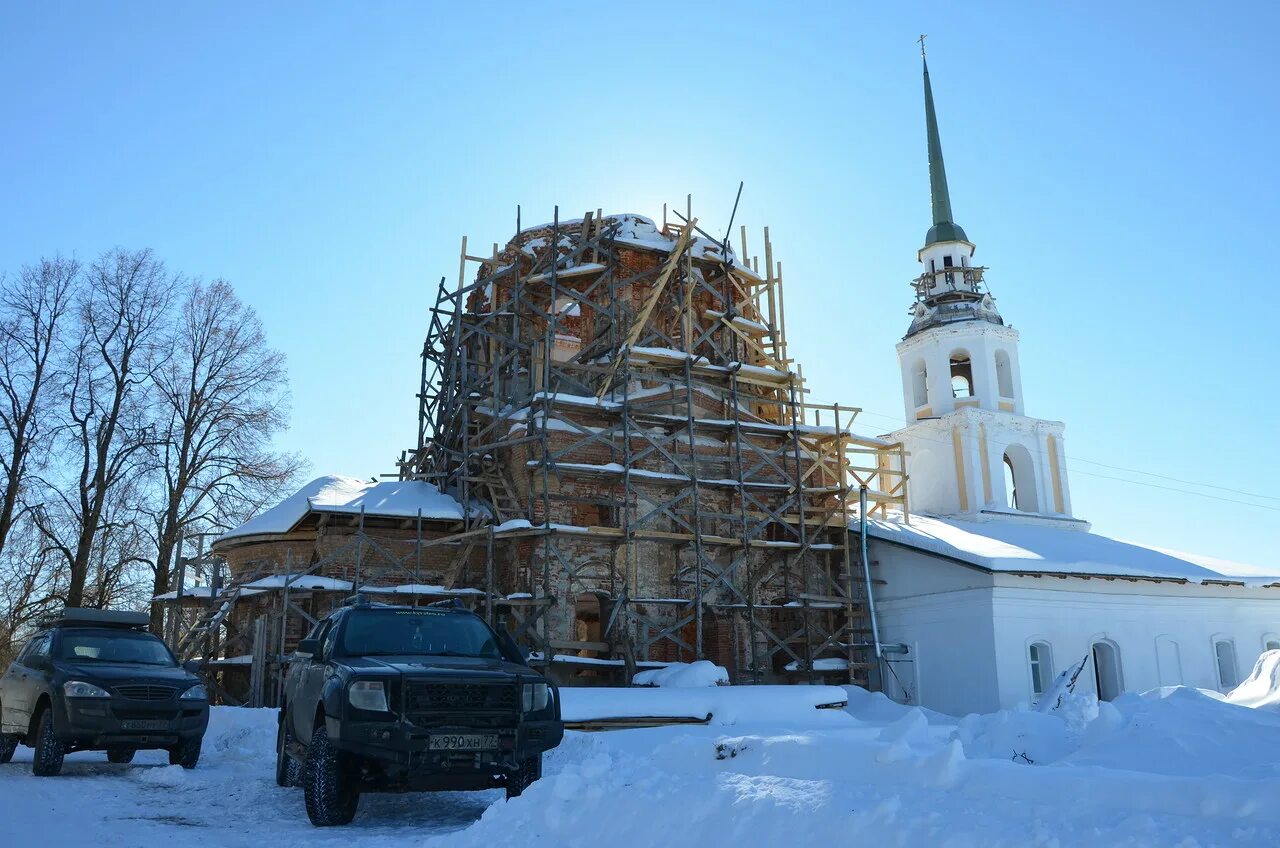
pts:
pixel 414 665
pixel 121 672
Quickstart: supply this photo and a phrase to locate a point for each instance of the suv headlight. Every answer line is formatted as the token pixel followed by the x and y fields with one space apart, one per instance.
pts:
pixel 534 697
pixel 368 695
pixel 195 693
pixel 80 689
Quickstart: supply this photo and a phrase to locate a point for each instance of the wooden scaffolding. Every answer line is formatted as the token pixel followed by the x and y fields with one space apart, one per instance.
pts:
pixel 653 484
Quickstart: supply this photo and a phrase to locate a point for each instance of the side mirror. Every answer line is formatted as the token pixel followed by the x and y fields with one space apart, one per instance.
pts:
pixel 310 647
pixel 192 666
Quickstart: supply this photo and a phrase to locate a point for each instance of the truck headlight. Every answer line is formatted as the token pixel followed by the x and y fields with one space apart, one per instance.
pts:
pixel 195 693
pixel 368 695
pixel 534 697
pixel 80 689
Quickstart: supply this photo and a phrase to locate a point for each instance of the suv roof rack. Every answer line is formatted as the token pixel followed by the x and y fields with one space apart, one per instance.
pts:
pixel 74 616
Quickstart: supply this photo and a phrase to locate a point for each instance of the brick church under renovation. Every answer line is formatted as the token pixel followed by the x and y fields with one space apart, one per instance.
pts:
pixel 616 461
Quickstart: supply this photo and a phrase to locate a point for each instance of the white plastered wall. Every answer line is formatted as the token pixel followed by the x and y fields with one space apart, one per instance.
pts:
pixel 942 614
pixel 1165 632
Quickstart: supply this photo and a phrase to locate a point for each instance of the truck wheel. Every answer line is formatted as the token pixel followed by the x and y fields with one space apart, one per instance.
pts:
pixel 331 796
pixel 120 755
pixel 530 770
pixel 185 754
pixel 288 773
pixel 47 760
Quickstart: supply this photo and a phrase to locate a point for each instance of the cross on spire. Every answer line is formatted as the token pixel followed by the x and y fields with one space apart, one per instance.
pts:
pixel 921 40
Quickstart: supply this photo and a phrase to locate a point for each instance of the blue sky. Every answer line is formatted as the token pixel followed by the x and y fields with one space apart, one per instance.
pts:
pixel 1115 167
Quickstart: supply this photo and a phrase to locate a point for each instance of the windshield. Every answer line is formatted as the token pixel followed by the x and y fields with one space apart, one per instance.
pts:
pixel 113 646
pixel 425 631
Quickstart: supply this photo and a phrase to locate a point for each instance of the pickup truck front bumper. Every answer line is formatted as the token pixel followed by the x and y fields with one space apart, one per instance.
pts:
pixel 404 749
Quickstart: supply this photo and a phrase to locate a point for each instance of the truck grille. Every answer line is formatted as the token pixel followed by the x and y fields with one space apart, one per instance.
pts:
pixel 145 692
pixel 421 696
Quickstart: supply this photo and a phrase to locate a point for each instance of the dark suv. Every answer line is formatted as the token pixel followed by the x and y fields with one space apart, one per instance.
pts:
pixel 96 680
pixel 389 698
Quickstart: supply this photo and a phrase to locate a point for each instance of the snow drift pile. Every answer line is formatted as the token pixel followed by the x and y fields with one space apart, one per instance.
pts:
pixel 1262 688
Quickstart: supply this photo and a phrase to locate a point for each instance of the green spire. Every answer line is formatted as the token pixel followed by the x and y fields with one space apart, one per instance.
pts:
pixel 943 229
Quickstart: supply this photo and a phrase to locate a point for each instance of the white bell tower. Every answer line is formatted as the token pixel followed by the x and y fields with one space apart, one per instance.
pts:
pixel 972 452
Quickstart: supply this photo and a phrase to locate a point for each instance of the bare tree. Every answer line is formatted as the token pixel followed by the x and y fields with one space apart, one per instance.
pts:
pixel 105 422
pixel 32 311
pixel 222 395
pixel 30 573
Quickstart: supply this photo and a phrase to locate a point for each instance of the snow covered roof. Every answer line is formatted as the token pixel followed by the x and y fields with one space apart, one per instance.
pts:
pixel 337 494
pixel 1010 546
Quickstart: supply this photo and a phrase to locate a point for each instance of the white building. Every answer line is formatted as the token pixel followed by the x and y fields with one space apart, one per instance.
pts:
pixel 994 586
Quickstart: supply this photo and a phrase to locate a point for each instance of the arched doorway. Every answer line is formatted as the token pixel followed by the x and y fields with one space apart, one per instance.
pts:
pixel 1106 670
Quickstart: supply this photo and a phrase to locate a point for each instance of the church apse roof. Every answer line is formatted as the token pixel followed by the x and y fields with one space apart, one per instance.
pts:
pixel 1017 548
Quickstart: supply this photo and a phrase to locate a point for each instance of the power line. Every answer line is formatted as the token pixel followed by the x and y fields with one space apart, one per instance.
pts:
pixel 1148 484
pixel 1176 479
pixel 1180 491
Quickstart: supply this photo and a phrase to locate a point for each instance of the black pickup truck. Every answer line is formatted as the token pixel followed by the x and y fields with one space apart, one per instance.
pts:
pixel 96 680
pixel 393 698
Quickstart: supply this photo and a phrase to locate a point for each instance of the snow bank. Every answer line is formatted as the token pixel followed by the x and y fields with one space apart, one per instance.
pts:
pixel 894 775
pixel 1174 767
pixel 684 676
pixel 720 705
pixel 1262 688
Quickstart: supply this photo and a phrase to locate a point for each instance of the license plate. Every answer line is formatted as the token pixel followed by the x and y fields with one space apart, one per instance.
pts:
pixel 464 742
pixel 144 724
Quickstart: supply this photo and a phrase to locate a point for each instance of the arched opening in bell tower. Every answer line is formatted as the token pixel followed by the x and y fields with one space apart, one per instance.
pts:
pixel 1004 374
pixel 920 384
pixel 1020 480
pixel 961 374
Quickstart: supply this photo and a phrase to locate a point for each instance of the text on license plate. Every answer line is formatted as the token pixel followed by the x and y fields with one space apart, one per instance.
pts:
pixel 144 724
pixel 464 742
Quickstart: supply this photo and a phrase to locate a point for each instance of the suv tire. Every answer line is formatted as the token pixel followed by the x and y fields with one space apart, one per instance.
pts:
pixel 530 770
pixel 288 772
pixel 8 743
pixel 120 755
pixel 185 753
pixel 331 795
pixel 49 750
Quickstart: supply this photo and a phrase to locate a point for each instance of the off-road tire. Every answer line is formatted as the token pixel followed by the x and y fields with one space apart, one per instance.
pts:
pixel 530 770
pixel 121 756
pixel 288 771
pixel 49 750
pixel 331 795
pixel 185 754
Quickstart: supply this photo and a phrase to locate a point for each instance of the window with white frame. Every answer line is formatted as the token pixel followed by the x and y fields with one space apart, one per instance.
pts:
pixel 1225 652
pixel 1041 660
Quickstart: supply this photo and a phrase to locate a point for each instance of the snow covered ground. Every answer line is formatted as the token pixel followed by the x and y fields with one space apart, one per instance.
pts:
pixel 1175 767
